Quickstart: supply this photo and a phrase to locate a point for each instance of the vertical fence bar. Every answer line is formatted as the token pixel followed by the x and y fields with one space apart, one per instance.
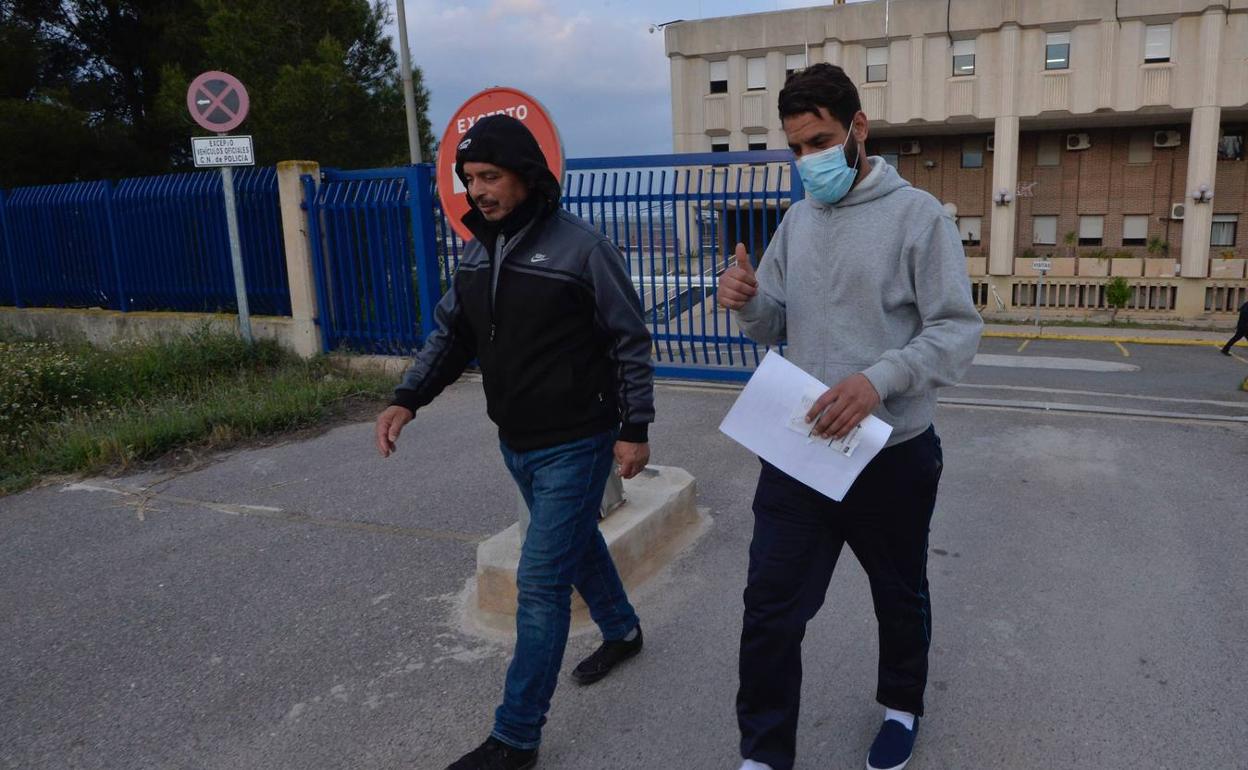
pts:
pixel 323 310
pixel 420 204
pixel 6 243
pixel 110 219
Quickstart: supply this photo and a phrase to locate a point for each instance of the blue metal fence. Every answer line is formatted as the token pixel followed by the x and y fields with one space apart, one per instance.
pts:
pixel 376 271
pixel 151 243
pixel 384 254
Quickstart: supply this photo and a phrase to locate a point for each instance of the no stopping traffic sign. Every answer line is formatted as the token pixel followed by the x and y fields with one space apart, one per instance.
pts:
pixel 217 101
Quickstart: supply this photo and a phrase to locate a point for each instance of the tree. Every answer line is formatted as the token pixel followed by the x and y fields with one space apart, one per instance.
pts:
pixel 92 88
pixel 1117 295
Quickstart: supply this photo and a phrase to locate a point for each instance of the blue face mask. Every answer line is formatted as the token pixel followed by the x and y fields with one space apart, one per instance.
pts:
pixel 826 175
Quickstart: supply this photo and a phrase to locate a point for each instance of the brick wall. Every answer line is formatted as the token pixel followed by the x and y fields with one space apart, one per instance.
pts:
pixel 1096 181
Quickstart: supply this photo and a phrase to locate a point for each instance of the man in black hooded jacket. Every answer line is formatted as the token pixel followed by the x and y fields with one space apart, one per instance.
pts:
pixel 1241 330
pixel 543 301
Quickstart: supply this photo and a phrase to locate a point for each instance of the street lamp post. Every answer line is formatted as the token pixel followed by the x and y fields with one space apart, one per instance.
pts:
pixel 409 95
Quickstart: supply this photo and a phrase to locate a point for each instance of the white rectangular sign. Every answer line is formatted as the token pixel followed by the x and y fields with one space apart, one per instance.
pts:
pixel 1042 265
pixel 213 151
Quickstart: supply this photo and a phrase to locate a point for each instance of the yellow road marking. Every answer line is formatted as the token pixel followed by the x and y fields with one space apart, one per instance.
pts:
pixel 1104 338
pixel 1125 354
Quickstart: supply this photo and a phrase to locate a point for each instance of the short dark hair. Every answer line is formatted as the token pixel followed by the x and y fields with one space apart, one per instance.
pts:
pixel 820 85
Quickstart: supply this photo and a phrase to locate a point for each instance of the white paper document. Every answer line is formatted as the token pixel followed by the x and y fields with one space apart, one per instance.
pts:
pixel 769 419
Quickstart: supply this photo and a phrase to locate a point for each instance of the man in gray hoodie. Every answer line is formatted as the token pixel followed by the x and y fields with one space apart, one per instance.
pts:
pixel 866 282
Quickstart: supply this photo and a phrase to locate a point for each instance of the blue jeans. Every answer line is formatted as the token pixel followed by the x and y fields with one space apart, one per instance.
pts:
pixel 563 487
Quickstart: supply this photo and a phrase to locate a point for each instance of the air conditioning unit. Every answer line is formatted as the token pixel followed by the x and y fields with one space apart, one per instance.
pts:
pixel 1177 210
pixel 909 147
pixel 1078 141
pixel 991 144
pixel 1167 139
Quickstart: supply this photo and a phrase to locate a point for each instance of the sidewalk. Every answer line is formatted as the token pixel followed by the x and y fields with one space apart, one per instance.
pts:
pixel 1137 335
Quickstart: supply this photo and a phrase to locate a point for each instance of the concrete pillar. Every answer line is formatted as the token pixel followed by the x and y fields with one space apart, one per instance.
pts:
pixel 1202 154
pixel 1202 158
pixel 1004 177
pixel 303 309
pixel 681 105
pixel 917 69
pixel 1005 159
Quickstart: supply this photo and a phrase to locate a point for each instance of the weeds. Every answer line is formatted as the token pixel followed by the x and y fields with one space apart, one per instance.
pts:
pixel 73 407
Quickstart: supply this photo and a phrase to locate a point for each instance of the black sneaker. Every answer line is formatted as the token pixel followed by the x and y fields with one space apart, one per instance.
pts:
pixel 1226 351
pixel 496 755
pixel 605 658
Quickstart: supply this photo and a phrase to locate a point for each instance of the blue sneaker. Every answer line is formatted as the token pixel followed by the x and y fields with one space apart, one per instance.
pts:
pixel 892 746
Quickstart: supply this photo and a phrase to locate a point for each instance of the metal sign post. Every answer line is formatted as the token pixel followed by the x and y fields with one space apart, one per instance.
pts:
pixel 218 102
pixel 1041 266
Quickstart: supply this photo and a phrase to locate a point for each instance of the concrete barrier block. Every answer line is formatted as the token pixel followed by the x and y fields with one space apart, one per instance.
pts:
pixel 658 519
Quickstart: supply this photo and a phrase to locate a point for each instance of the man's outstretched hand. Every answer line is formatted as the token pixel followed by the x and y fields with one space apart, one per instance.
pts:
pixel 389 425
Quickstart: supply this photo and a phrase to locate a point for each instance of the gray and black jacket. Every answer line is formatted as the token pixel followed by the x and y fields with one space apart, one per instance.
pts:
pixel 561 341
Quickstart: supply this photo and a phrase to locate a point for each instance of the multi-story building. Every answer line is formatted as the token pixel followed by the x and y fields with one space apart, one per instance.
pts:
pixel 1107 136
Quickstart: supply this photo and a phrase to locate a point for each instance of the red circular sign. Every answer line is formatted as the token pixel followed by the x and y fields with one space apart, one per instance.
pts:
pixel 492 101
pixel 217 101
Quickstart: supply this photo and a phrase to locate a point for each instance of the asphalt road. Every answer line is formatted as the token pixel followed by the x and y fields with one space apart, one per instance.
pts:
pixel 296 606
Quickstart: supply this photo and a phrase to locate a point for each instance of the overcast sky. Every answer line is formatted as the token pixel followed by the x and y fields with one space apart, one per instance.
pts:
pixel 594 64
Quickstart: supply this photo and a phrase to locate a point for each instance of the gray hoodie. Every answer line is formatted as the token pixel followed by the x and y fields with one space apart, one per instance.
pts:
pixel 875 284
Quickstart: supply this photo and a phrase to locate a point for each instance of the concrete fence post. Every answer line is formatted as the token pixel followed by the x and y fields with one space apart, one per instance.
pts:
pixel 303 306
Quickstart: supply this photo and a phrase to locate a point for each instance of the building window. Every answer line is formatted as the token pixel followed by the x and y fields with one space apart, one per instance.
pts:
pixel 1091 230
pixel 973 152
pixel 755 74
pixel 719 145
pixel 719 77
pixel 1057 51
pixel 971 229
pixel 1135 230
pixel 757 144
pixel 963 57
pixel 1156 43
pixel 794 62
pixel 1140 147
pixel 1044 231
pixel 1225 229
pixel 1049 150
pixel 877 64
pixel 1231 145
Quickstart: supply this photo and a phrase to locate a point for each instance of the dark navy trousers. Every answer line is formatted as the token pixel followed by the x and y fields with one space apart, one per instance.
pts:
pixel 798 535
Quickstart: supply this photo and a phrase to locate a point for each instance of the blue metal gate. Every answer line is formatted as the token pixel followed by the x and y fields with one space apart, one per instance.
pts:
pixel 385 251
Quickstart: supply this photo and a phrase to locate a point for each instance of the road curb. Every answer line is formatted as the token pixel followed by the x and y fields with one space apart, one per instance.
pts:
pixel 1104 338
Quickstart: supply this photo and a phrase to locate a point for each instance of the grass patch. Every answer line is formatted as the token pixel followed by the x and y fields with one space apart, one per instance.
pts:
pixel 75 408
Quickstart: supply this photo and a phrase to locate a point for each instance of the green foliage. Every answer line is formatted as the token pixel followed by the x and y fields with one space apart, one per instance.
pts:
pixel 1158 248
pixel 1117 295
pixel 1030 254
pixel 71 407
pixel 90 90
pixel 1123 254
pixel 1227 254
pixel 1101 254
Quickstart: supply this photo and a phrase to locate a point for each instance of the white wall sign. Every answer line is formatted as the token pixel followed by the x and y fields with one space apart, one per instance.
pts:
pixel 214 151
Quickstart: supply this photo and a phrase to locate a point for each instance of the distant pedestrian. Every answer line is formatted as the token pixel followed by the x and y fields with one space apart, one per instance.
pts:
pixel 1241 330
pixel 543 302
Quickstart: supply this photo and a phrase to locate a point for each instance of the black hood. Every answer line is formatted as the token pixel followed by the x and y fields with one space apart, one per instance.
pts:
pixel 505 142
